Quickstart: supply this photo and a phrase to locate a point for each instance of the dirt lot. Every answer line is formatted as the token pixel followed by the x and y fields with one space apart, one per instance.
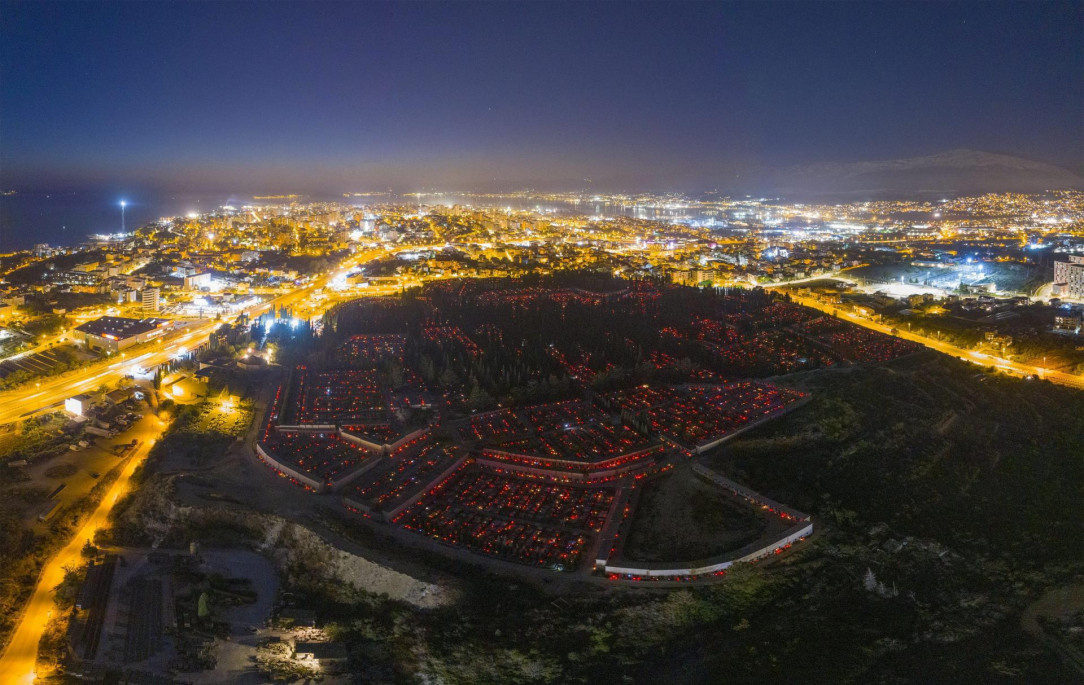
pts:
pixel 64 474
pixel 99 458
pixel 683 518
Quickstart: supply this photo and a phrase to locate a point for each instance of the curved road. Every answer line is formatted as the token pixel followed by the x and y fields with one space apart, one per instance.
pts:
pixel 19 658
pixel 980 358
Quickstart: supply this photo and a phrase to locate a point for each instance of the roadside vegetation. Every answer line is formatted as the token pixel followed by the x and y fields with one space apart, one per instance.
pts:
pixel 61 360
pixel 24 550
pixel 1029 326
pixel 198 434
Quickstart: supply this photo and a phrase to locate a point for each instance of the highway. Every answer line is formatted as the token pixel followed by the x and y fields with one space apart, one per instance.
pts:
pixel 50 393
pixel 18 662
pixel 980 358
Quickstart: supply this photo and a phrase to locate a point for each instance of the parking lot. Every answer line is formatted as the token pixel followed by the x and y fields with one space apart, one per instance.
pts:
pixel 45 362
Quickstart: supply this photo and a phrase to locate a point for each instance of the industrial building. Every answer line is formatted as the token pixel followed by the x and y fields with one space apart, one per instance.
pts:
pixel 112 334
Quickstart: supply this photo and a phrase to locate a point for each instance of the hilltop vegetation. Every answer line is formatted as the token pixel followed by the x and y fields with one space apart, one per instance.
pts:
pixel 949 501
pixel 933 448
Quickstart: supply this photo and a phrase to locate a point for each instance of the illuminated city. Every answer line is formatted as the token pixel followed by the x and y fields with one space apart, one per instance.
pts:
pixel 413 419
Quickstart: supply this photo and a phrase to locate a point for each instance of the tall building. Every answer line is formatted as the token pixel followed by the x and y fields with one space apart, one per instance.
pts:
pixel 150 299
pixel 1069 277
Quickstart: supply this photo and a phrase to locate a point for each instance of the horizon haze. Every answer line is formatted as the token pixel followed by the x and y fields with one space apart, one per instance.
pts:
pixel 190 98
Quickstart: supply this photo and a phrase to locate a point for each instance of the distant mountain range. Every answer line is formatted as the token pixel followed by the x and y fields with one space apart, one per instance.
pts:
pixel 955 171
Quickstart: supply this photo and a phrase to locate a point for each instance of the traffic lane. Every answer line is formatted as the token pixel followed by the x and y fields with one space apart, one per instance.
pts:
pixel 980 358
pixel 49 394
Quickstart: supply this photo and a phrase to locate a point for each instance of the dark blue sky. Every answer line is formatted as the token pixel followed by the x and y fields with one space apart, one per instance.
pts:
pixel 330 97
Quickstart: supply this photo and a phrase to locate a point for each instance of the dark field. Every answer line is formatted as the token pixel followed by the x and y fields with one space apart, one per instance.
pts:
pixel 680 517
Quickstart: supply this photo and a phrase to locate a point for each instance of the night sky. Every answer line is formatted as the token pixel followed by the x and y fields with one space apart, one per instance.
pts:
pixel 321 97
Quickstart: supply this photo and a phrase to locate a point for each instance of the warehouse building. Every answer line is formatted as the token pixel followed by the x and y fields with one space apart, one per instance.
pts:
pixel 111 334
